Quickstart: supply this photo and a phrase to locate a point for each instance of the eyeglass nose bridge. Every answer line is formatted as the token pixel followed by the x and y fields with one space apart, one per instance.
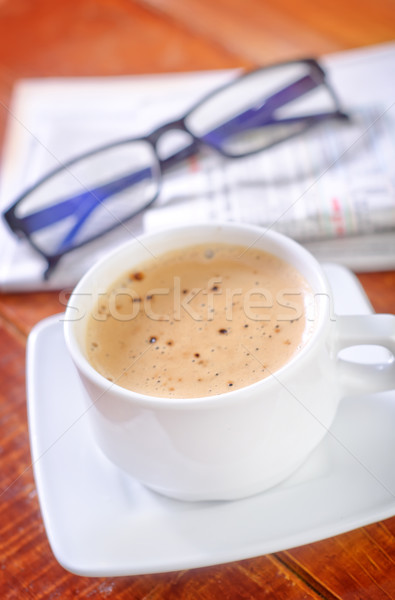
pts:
pixel 182 151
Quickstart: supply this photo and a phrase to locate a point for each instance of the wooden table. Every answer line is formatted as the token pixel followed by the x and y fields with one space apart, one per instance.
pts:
pixel 111 37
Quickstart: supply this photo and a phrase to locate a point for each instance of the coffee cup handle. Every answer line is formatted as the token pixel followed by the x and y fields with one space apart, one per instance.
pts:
pixel 375 330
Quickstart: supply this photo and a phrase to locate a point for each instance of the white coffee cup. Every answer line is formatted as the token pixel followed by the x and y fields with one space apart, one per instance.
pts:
pixel 243 442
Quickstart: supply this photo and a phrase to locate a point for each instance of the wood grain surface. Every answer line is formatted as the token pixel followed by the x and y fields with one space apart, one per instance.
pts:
pixel 41 38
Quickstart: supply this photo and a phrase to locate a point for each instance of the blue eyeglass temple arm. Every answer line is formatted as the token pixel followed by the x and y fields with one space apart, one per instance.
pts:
pixel 92 198
pixel 82 205
pixel 75 205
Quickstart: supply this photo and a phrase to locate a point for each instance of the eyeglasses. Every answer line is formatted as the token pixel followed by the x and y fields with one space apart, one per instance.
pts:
pixel 92 194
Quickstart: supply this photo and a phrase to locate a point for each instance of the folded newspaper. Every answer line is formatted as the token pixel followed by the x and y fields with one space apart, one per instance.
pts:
pixel 332 189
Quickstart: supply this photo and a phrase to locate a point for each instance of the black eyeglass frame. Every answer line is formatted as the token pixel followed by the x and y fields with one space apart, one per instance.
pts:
pixel 16 224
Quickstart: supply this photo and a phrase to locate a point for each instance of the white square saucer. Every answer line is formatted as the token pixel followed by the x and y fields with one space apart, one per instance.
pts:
pixel 100 522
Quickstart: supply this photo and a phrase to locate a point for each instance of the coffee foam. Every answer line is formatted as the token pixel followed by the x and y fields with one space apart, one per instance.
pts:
pixel 199 321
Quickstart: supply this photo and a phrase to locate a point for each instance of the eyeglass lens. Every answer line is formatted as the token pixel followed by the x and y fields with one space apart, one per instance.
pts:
pixel 263 108
pixel 90 196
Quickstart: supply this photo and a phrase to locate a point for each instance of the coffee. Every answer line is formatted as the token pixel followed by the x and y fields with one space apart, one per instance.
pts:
pixel 199 321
